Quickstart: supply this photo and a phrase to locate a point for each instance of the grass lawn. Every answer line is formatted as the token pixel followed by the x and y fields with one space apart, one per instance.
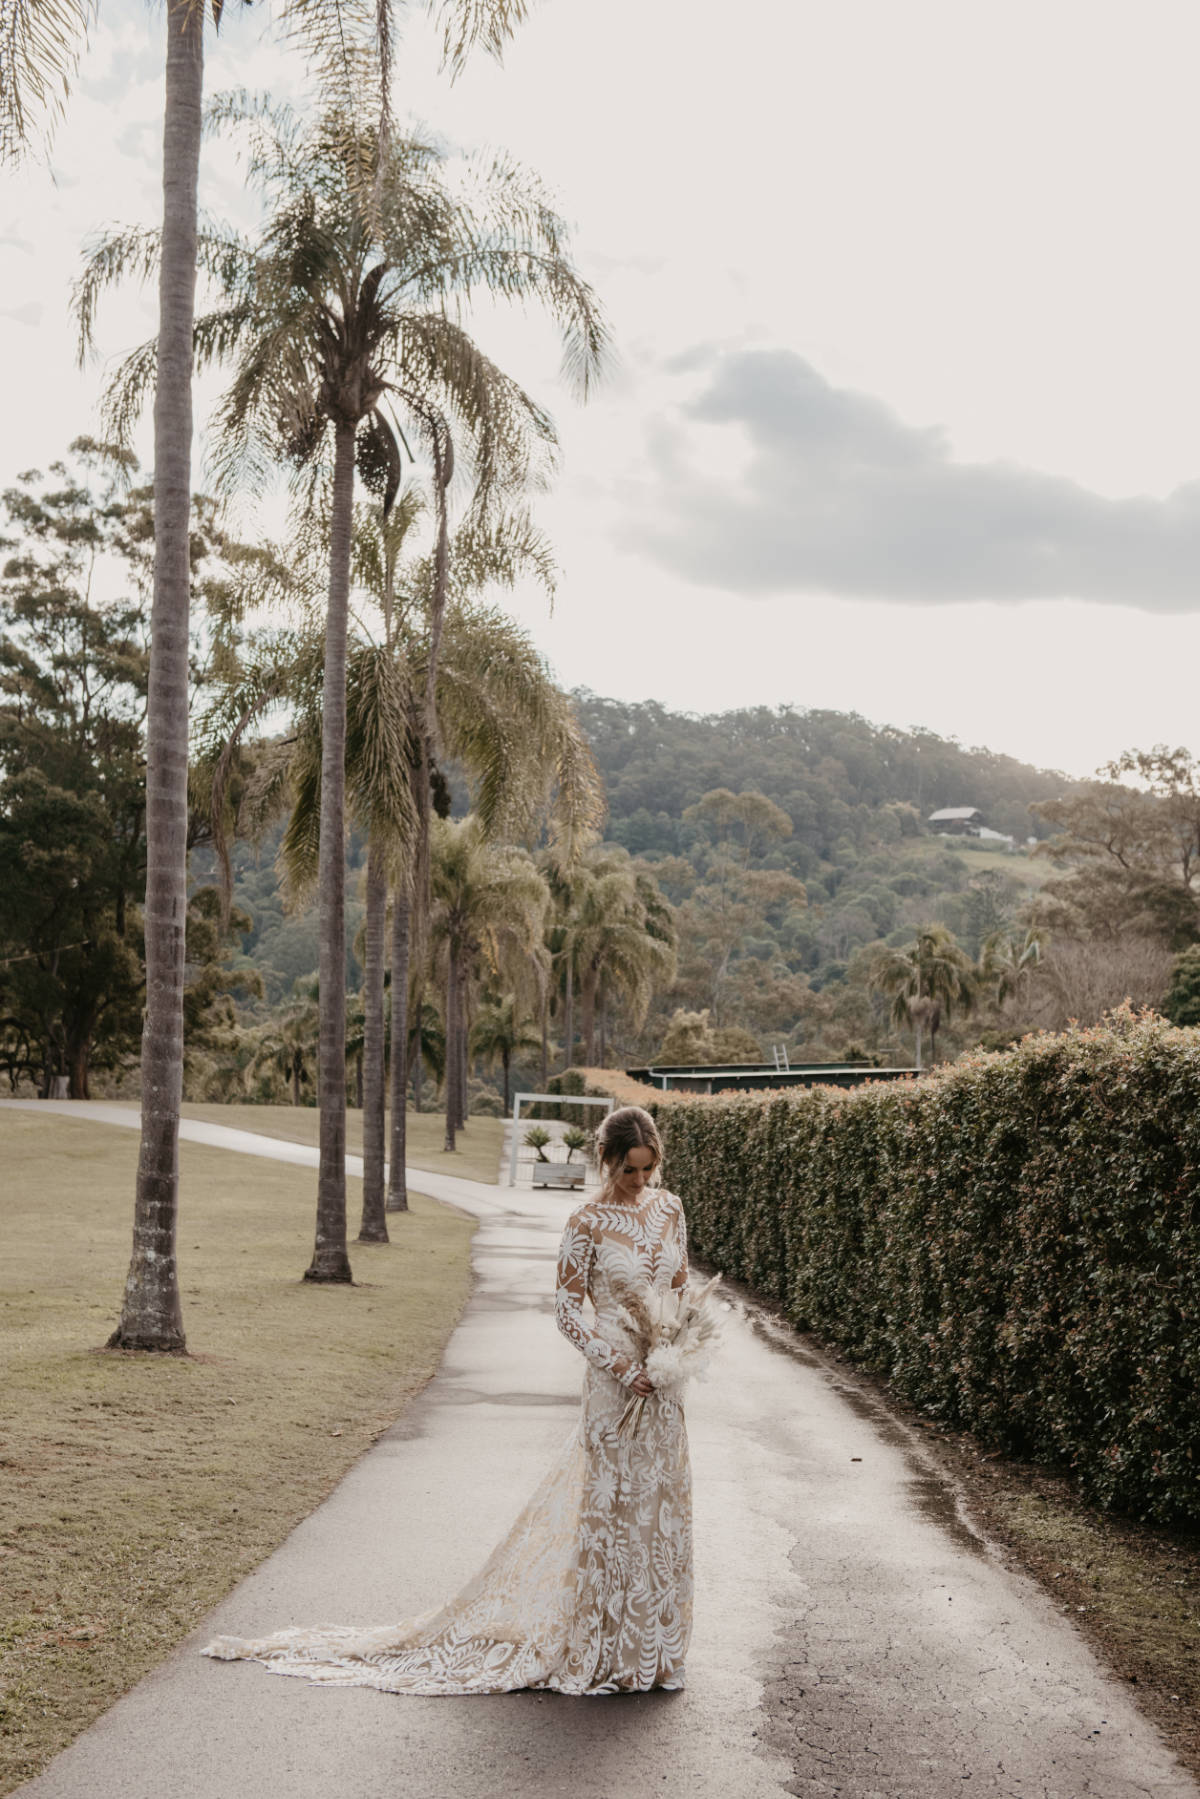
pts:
pixel 477 1157
pixel 1031 871
pixel 136 1490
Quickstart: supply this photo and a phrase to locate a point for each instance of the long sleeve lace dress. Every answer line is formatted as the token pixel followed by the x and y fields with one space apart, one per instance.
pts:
pixel 591 1590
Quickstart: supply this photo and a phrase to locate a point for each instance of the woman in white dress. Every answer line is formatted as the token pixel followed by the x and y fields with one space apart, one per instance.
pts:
pixel 591 1590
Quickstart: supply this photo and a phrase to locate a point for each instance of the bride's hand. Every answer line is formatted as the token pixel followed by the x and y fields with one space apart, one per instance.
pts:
pixel 642 1385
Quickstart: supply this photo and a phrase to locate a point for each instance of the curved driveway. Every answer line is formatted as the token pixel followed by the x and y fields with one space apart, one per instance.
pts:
pixel 853 1636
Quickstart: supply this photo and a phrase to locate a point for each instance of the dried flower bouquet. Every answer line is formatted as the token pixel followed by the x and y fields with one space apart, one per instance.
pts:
pixel 675 1333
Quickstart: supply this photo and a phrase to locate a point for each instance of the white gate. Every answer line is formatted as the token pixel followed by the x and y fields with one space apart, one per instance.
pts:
pixel 551 1099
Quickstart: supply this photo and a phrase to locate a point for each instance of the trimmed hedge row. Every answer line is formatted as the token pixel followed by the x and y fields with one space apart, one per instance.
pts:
pixel 1014 1242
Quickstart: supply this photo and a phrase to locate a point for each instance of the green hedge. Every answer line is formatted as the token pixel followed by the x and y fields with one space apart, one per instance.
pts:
pixel 1013 1242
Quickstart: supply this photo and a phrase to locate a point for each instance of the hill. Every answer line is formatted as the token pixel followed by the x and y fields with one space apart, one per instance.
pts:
pixel 853 863
pixel 834 773
pixel 857 798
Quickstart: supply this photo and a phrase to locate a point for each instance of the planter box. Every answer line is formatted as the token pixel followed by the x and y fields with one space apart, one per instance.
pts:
pixel 557 1174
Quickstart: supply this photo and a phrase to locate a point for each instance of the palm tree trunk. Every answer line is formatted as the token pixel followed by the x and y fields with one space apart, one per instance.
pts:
pixel 464 1035
pixel 442 471
pixel 418 1066
pixel 453 1067
pixel 604 1031
pixel 505 1059
pixel 588 997
pixel 545 1038
pixel 296 1072
pixel 151 1315
pixel 330 1261
pixel 569 1020
pixel 373 1228
pixel 397 1194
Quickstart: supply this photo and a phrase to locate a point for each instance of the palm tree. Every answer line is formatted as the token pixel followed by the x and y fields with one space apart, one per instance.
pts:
pixel 338 316
pixel 619 940
pixel 39 46
pixel 151 1314
pixel 567 878
pixel 356 1020
pixel 487 899
pixel 426 1044
pixel 502 720
pixel 925 981
pixel 501 1032
pixel 289 1042
pixel 1009 958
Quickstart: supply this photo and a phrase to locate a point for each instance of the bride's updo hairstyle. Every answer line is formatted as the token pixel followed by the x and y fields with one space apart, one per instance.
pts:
pixel 629 1127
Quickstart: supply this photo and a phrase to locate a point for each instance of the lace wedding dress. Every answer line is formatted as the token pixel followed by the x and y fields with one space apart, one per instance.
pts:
pixel 591 1590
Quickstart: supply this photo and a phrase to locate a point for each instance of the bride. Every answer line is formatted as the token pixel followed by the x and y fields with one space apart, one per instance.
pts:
pixel 591 1590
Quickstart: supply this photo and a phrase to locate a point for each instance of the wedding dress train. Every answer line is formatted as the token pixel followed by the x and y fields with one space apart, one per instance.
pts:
pixel 591 1590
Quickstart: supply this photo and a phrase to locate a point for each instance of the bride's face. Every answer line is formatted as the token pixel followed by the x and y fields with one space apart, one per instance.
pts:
pixel 631 1175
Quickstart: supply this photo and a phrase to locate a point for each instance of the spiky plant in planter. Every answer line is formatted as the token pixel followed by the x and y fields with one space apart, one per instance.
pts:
pixel 537 1137
pixel 574 1138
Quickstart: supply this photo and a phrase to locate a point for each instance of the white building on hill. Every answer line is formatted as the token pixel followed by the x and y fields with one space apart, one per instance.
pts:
pixel 957 821
pixel 966 821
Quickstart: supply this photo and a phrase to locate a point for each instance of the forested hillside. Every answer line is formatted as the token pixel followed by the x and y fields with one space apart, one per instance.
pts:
pixel 767 878
pixel 774 912
pixel 834 774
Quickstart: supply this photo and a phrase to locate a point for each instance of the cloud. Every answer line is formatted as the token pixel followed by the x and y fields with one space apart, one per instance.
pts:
pixel 770 480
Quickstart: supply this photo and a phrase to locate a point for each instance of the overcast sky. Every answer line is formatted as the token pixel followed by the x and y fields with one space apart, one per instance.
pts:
pixel 906 417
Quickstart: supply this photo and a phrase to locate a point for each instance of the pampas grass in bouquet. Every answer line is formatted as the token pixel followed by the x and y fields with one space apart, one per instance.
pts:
pixel 676 1333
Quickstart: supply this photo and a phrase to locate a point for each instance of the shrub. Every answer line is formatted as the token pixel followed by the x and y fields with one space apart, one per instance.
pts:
pixel 1014 1241
pixel 1182 1004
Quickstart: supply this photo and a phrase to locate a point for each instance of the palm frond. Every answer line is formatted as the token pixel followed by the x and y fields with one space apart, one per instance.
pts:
pixel 40 44
pixel 268 791
pixel 435 369
pixel 486 24
pixel 127 390
pixel 501 548
pixel 132 252
pixel 379 744
pixel 237 706
pixel 299 850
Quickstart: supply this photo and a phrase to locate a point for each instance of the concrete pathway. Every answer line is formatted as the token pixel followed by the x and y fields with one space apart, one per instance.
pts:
pixel 853 1637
